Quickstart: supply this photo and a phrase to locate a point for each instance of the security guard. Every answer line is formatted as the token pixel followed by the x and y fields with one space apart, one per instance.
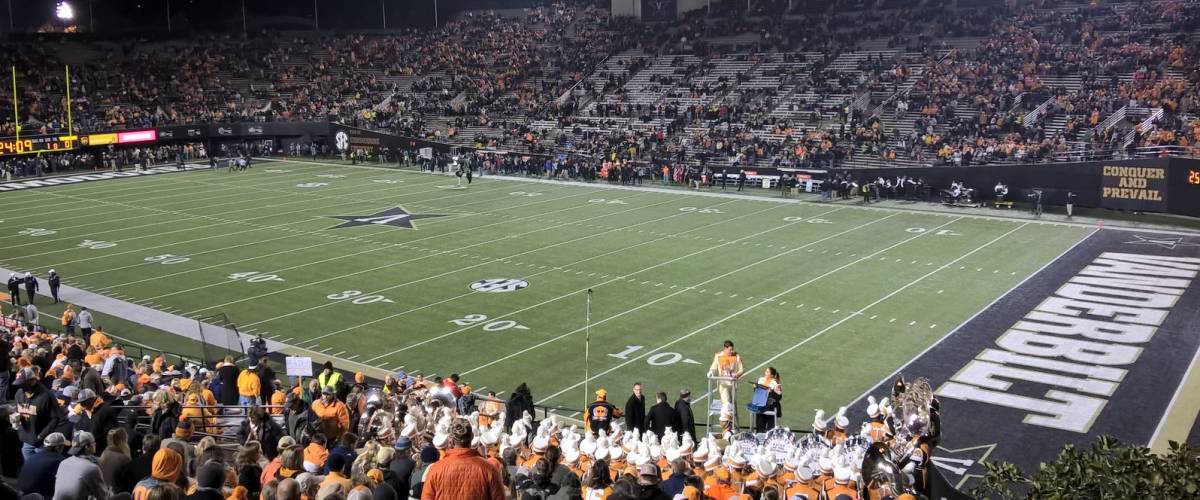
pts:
pixel 330 378
pixel 54 282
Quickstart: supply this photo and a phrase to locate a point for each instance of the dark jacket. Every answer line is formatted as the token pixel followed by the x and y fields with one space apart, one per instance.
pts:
pixel 519 402
pixel 103 419
pixel 117 470
pixel 651 492
pixel 662 416
pixel 37 476
pixel 635 413
pixel 673 485
pixel 228 375
pixel 40 414
pixel 687 421
pixel 205 494
pixel 398 474
pixel 268 435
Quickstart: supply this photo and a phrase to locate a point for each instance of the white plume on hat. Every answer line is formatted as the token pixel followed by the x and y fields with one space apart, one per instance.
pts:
pixel 840 421
pixel 410 426
pixel 570 455
pixel 826 464
pixel 615 453
pixel 686 445
pixel 491 435
pixel 541 441
pixel 819 421
pixel 631 439
pixel 872 407
pixel 588 445
pixel 701 451
pixel 841 474
pixel 601 452
pixel 805 473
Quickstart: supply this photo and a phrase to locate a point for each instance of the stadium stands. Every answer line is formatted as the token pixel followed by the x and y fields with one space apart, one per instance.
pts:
pixel 866 87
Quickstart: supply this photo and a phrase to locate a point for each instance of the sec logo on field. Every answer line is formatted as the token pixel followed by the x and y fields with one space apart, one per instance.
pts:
pixel 499 285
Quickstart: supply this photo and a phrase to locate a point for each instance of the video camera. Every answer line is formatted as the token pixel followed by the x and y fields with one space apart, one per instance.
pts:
pixel 257 349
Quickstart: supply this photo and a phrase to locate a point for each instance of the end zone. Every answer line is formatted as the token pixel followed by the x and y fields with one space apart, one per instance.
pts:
pixel 1102 341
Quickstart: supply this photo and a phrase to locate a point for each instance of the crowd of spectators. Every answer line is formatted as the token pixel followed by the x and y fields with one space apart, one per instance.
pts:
pixel 557 78
pixel 89 419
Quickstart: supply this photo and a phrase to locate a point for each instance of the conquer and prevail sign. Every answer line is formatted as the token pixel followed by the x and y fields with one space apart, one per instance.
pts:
pixel 1134 188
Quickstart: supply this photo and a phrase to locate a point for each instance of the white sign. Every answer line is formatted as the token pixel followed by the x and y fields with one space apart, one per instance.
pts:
pixel 299 367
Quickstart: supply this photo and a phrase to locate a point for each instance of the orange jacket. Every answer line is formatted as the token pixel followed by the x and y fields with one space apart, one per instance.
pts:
pixel 462 473
pixel 248 384
pixel 335 417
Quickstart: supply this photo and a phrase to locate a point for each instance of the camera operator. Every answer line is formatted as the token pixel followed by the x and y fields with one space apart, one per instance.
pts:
pixel 257 349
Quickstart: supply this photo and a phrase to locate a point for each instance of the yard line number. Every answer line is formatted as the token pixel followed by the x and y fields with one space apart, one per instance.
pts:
pixel 357 297
pixel 700 210
pixel 939 232
pixel 814 220
pixel 489 326
pixel 525 193
pixel 96 245
pixel 658 359
pixel 254 277
pixel 36 231
pixel 167 258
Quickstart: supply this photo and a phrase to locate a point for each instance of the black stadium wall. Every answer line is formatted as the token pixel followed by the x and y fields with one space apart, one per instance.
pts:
pixel 1170 185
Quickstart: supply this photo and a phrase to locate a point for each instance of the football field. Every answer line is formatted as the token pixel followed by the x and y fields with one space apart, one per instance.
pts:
pixel 385 270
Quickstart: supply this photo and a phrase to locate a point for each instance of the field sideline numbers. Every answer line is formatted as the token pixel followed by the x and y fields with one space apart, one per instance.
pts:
pixel 607 202
pixel 525 193
pixel 940 232
pixel 658 359
pixel 700 210
pixel 490 326
pixel 36 231
pixel 358 297
pixel 311 184
pixel 167 258
pixel 96 245
pixel 814 220
pixel 254 277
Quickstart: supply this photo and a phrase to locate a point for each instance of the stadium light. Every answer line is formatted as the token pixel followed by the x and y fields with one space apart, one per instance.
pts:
pixel 63 11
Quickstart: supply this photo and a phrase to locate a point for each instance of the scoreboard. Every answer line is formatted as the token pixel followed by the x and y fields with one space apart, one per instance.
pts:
pixel 33 144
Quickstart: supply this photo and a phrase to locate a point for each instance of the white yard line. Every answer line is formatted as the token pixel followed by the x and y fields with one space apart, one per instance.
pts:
pixel 742 311
pixel 189 216
pixel 335 241
pixel 954 330
pixel 457 270
pixel 895 292
pixel 673 294
pixel 222 222
pixel 382 246
pixel 555 268
pixel 611 280
pixel 89 203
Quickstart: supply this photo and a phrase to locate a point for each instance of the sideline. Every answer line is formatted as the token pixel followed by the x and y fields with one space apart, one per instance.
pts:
pixel 1110 224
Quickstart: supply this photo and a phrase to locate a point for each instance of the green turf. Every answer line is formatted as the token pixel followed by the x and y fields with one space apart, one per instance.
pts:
pixel 834 306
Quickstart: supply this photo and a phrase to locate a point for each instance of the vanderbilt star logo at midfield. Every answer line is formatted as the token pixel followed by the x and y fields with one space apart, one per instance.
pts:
pixel 1169 243
pixel 395 217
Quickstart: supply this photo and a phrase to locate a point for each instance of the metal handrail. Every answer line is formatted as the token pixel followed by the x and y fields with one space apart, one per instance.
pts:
pixel 1113 119
pixel 1036 115
pixel 1145 126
